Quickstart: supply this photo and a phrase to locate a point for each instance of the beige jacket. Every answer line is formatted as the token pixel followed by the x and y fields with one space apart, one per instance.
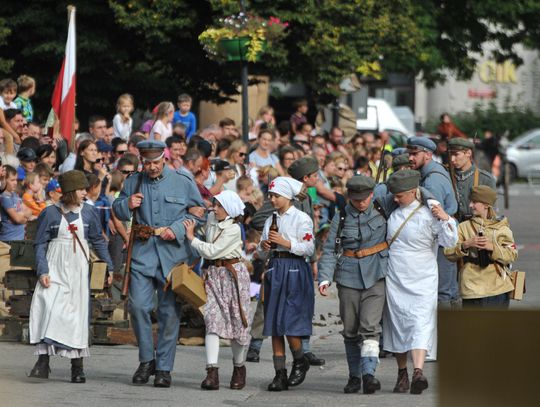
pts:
pixel 479 282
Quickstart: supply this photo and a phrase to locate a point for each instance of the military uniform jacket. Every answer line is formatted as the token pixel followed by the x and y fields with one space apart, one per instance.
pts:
pixel 166 203
pixel 436 180
pixel 360 230
pixel 464 185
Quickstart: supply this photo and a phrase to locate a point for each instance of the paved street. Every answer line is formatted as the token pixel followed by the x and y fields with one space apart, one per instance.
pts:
pixel 109 369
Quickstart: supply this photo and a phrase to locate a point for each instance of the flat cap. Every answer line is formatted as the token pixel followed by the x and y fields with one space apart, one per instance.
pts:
pixel 399 161
pixel 458 143
pixel 359 187
pixel 403 180
pixel 27 154
pixel 303 166
pixel 151 150
pixel 421 143
pixel 72 181
pixel 484 194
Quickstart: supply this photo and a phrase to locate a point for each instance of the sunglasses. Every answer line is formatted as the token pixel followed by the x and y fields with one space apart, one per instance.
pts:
pixel 120 152
pixel 242 154
pixel 342 168
pixel 127 172
pixel 98 160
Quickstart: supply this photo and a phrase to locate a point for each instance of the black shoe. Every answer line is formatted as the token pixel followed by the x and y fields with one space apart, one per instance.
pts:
pixel 163 379
pixel 252 355
pixel 77 372
pixel 280 381
pixel 314 360
pixel 371 384
pixel 298 371
pixel 41 369
pixel 383 354
pixel 353 385
pixel 143 372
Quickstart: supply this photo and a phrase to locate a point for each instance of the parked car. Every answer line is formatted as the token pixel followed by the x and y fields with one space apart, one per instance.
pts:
pixel 380 116
pixel 523 154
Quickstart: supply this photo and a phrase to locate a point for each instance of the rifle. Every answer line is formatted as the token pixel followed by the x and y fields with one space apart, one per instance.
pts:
pixel 127 271
pixel 380 168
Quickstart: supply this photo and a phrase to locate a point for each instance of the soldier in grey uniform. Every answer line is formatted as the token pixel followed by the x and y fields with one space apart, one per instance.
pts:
pixel 162 201
pixel 355 257
pixel 436 179
pixel 467 174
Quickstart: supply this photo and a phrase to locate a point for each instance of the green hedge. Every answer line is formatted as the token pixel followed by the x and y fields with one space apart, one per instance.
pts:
pixel 514 119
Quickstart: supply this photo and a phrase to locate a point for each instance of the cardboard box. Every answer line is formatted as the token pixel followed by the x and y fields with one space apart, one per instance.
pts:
pixel 518 279
pixel 188 285
pixel 98 274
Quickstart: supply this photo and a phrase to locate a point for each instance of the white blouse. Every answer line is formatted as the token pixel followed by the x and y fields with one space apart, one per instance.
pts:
pixel 223 240
pixel 295 226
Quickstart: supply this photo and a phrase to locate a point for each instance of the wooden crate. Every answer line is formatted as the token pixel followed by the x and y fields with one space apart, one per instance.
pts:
pixel 14 329
pixel 103 308
pixel 22 253
pixel 20 305
pixel 115 333
pixel 20 279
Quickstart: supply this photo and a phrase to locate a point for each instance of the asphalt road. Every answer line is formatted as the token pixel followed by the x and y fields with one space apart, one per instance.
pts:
pixel 109 369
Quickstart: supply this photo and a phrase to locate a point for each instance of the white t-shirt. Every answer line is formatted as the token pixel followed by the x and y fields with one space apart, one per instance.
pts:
pixel 4 106
pixel 122 129
pixel 165 131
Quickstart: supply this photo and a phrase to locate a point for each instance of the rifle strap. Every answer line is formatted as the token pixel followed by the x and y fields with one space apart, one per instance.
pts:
pixel 75 235
pixel 476 177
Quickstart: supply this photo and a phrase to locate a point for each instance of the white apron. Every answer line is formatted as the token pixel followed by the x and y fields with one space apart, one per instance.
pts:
pixel 410 316
pixel 60 312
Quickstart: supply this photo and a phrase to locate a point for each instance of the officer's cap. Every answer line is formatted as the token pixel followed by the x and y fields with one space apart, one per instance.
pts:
pixel 359 187
pixel 303 166
pixel 398 151
pixel 458 143
pixel 151 150
pixel 421 143
pixel 403 180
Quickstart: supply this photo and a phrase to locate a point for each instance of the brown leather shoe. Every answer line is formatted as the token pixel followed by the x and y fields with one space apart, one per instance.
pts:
pixel 419 382
pixel 402 384
pixel 211 382
pixel 238 379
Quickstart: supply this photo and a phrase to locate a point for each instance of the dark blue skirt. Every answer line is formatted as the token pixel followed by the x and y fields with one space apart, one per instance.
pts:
pixel 289 298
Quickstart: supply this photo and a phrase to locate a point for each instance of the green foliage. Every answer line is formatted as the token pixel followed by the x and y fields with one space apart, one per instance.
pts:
pixel 5 63
pixel 512 119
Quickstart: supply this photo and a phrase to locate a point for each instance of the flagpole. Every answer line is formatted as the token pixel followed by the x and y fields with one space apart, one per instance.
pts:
pixel 71 8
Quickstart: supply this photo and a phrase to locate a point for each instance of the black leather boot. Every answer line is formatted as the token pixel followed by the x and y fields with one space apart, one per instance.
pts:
pixel 77 373
pixel 162 379
pixel 298 371
pixel 280 381
pixel 41 369
pixel 353 385
pixel 371 384
pixel 143 372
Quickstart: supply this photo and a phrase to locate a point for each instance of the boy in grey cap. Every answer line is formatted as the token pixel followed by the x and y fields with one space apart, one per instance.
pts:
pixel 355 257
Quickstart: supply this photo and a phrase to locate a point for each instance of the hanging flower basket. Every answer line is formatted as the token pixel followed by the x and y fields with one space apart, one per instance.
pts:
pixel 241 37
pixel 237 49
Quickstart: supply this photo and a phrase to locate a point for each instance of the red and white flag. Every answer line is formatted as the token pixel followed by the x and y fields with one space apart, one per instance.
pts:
pixel 63 98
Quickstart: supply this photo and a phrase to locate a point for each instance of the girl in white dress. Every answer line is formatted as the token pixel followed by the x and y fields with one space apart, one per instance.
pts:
pixel 410 317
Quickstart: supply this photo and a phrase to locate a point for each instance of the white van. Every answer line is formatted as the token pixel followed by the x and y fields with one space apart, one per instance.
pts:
pixel 380 116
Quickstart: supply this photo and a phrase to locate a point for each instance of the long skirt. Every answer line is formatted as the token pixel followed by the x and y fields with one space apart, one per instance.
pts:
pixel 222 312
pixel 289 298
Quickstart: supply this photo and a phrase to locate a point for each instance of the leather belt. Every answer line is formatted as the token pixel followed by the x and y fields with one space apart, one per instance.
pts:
pixel 368 251
pixel 222 262
pixel 286 255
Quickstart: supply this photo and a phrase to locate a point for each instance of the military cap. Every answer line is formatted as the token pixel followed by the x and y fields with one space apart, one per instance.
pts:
pixel 400 160
pixel 398 151
pixel 303 166
pixel 27 154
pixel 403 180
pixel 151 150
pixel 421 143
pixel 484 194
pixel 458 143
pixel 360 186
pixel 72 181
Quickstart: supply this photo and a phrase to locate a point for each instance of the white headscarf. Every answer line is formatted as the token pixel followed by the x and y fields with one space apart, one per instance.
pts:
pixel 231 202
pixel 286 187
